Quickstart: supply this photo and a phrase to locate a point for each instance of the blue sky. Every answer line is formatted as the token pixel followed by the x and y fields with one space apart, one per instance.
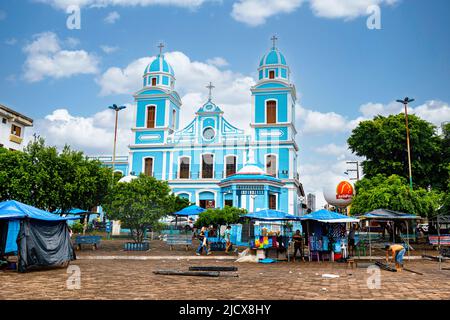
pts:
pixel 343 71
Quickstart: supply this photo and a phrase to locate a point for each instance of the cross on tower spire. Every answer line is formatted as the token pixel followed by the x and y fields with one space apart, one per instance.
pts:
pixel 274 40
pixel 210 87
pixel 161 46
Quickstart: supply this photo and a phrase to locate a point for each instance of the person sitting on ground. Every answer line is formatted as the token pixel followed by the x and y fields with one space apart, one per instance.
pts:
pixel 398 251
pixel 298 244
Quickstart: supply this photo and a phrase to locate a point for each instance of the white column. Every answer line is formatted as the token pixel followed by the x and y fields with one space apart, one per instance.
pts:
pixel 171 165
pixel 163 176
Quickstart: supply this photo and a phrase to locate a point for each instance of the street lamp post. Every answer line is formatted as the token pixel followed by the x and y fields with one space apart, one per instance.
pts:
pixel 116 109
pixel 405 103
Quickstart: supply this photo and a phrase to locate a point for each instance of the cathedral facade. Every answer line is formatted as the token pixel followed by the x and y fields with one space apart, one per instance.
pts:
pixel 210 161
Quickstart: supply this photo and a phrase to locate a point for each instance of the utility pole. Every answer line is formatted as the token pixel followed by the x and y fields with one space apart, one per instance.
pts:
pixel 116 109
pixel 405 103
pixel 353 170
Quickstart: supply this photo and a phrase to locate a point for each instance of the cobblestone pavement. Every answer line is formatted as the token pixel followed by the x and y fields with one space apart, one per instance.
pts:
pixel 134 279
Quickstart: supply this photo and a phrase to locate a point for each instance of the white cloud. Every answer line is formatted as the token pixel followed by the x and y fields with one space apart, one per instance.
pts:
pixel 347 9
pixel 256 12
pixel 11 41
pixel 63 4
pixel 315 122
pixel 46 58
pixel 123 81
pixel 232 92
pixel 112 17
pixel 108 49
pixel 93 135
pixel 434 111
pixel 218 62
pixel 72 42
pixel 341 152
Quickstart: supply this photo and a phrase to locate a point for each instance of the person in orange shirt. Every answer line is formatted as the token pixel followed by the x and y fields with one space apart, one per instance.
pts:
pixel 398 251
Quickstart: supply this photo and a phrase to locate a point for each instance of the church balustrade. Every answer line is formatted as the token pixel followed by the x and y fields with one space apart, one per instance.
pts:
pixel 195 175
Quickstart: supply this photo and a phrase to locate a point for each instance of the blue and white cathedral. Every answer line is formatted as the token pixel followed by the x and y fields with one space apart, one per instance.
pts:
pixel 211 162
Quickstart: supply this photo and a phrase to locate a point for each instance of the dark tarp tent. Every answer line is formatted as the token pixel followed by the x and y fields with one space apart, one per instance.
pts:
pixel 39 238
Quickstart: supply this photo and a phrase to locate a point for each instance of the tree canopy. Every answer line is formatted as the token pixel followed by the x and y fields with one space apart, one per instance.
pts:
pixel 140 203
pixel 382 141
pixel 381 192
pixel 220 217
pixel 42 177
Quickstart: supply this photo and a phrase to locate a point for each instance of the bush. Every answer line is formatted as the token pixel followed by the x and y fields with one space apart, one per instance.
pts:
pixel 77 227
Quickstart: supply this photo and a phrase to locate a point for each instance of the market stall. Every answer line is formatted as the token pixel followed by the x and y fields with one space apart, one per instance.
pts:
pixel 393 220
pixel 327 235
pixel 38 238
pixel 187 212
pixel 270 233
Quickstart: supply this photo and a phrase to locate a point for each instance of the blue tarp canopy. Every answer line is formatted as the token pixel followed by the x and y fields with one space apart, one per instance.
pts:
pixel 386 214
pixel 189 211
pixel 12 209
pixel 74 211
pixel 326 216
pixel 270 215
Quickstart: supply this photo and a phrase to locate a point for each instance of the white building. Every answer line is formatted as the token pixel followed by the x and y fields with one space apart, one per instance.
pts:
pixel 12 128
pixel 311 201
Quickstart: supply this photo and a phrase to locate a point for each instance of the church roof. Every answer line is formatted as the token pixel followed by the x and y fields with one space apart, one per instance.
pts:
pixel 209 106
pixel 251 171
pixel 159 65
pixel 273 57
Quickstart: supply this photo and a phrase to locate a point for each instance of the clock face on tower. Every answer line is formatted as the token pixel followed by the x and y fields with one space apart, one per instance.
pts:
pixel 209 133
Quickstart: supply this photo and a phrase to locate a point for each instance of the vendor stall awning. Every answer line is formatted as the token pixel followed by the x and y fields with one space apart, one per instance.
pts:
pixel 75 211
pixel 326 216
pixel 270 215
pixel 385 214
pixel 189 211
pixel 16 210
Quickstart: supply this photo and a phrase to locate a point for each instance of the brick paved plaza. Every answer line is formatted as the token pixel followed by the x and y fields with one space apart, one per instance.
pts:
pixel 134 279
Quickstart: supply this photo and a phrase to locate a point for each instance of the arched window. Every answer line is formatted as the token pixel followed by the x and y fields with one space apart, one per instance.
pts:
pixel 151 116
pixel 272 74
pixel 230 165
pixel 184 167
pixel 148 167
pixel 153 82
pixel 271 111
pixel 271 165
pixel 207 166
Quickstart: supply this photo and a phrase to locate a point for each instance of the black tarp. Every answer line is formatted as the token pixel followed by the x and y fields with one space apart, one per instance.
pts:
pixel 44 244
pixel 3 234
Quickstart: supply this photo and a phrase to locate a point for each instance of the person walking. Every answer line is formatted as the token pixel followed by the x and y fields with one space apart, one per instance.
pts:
pixel 351 240
pixel 298 244
pixel 227 236
pixel 202 237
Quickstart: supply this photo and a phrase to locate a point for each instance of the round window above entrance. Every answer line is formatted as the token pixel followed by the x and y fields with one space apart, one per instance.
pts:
pixel 209 133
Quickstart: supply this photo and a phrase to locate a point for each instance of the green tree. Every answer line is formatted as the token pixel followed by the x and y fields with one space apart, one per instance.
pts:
pixel 139 204
pixel 219 217
pixel 381 192
pixel 44 178
pixel 382 141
